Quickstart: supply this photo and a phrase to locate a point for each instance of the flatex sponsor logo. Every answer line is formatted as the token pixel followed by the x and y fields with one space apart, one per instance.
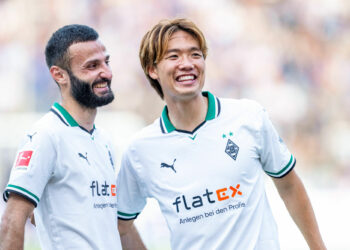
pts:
pixel 187 205
pixel 103 189
pixel 208 197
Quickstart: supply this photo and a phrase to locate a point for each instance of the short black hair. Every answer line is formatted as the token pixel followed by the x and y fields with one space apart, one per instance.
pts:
pixel 56 51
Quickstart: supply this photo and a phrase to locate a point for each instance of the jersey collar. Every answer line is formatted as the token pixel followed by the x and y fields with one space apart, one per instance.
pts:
pixel 66 118
pixel 213 111
pixel 64 115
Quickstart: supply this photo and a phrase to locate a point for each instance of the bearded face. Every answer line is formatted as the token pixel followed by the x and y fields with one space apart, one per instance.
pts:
pixel 83 92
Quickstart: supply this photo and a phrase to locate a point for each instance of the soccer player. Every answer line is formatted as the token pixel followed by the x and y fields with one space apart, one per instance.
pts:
pixel 65 165
pixel 205 158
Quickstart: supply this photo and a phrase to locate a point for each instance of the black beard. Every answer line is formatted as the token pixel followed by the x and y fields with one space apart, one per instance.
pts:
pixel 83 94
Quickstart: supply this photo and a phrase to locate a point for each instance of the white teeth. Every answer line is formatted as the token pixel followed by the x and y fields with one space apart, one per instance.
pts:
pixel 100 85
pixel 185 78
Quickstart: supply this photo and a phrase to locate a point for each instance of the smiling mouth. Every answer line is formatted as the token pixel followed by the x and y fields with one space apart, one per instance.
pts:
pixel 101 88
pixel 186 78
pixel 101 85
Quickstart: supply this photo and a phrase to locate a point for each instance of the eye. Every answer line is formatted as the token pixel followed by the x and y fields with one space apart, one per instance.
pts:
pixel 92 66
pixel 197 55
pixel 107 61
pixel 172 56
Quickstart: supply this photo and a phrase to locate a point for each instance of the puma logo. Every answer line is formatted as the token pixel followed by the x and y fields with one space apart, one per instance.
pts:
pixel 84 157
pixel 31 136
pixel 164 165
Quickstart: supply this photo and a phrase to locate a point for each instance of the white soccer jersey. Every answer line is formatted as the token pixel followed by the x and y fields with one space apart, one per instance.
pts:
pixel 209 183
pixel 68 174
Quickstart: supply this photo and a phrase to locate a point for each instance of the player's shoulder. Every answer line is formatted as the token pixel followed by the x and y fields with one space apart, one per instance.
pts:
pixel 39 131
pixel 148 132
pixel 240 105
pixel 146 136
pixel 45 124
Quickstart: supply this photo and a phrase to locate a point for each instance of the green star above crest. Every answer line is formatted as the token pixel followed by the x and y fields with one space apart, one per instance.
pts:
pixel 224 136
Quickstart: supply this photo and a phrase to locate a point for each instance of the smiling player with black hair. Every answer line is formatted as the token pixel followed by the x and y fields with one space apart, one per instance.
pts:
pixel 65 166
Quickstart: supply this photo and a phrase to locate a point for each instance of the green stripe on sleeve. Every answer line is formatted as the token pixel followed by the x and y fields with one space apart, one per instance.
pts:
pixel 24 190
pixel 128 215
pixel 284 169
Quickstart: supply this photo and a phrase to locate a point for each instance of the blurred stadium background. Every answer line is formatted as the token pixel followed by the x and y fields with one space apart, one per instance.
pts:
pixel 293 56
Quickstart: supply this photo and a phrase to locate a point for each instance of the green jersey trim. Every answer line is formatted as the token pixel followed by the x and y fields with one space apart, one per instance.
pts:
pixel 213 111
pixel 284 170
pixel 211 106
pixel 168 125
pixel 64 113
pixel 126 216
pixel 11 187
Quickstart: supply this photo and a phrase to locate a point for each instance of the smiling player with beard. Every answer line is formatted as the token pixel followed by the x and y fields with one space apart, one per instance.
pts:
pixel 83 93
pixel 65 165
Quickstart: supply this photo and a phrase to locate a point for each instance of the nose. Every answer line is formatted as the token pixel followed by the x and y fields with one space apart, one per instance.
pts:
pixel 186 63
pixel 106 72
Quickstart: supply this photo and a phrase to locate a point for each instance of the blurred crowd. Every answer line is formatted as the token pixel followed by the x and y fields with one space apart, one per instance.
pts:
pixel 292 56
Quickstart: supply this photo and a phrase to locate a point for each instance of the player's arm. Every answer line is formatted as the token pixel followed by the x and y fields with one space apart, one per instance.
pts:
pixel 13 221
pixel 293 193
pixel 129 236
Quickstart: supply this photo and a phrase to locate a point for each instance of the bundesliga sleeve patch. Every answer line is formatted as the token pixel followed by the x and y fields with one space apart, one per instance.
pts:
pixel 23 159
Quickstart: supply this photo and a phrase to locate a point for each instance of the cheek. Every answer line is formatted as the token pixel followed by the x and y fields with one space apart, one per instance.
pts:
pixel 166 72
pixel 202 65
pixel 202 69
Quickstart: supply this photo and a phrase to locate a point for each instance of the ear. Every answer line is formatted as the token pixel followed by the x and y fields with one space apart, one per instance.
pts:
pixel 59 75
pixel 152 72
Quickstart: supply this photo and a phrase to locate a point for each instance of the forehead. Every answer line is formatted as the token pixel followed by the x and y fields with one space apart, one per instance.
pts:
pixel 83 51
pixel 182 38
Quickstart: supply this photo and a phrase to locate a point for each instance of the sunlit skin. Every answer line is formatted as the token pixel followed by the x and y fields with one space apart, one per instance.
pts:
pixel 181 74
pixel 183 58
pixel 89 62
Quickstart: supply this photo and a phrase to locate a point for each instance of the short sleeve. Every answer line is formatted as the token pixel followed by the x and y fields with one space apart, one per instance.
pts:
pixel 131 201
pixel 33 167
pixel 276 159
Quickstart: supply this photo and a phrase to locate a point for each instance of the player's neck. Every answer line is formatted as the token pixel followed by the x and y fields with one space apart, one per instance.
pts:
pixel 187 115
pixel 85 117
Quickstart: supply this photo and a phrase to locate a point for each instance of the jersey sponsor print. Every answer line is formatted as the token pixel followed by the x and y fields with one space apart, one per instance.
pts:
pixel 103 189
pixel 208 198
pixel 216 178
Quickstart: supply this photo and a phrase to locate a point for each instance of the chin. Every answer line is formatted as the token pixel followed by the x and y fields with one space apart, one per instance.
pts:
pixel 189 90
pixel 188 94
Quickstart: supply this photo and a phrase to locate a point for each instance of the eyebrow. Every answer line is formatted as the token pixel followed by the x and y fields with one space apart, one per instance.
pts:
pixel 178 50
pixel 96 60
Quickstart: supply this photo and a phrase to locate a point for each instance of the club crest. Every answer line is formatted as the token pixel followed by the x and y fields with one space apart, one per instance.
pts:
pixel 231 149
